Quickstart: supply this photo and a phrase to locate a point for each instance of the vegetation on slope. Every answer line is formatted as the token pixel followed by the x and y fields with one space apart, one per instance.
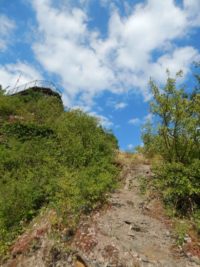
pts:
pixel 49 157
pixel 175 137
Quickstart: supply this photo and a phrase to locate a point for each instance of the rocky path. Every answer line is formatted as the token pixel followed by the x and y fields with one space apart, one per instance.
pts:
pixel 126 234
pixel 132 231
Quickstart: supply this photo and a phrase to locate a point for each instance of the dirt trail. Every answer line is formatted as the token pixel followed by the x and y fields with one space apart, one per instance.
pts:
pixel 131 232
pixel 126 234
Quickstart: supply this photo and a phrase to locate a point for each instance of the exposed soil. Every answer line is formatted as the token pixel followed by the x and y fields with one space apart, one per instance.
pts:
pixel 131 230
pixel 134 231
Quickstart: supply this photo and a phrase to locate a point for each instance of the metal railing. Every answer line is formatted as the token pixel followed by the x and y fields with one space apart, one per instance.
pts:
pixel 36 83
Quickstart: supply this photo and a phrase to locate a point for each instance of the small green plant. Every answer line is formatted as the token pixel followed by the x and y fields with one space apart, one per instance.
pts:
pixel 143 184
pixel 181 230
pixel 196 217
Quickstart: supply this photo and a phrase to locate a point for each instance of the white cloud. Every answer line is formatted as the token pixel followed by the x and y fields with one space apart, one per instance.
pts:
pixel 148 117
pixel 6 27
pixel 192 10
pixel 180 58
pixel 82 108
pixel 110 3
pixel 103 120
pixel 116 105
pixel 145 30
pixel 120 105
pixel 10 74
pixel 138 122
pixel 88 64
pixel 134 121
pixel 130 147
pixel 65 50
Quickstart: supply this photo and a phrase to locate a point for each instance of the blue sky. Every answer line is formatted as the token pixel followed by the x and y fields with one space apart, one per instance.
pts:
pixel 100 52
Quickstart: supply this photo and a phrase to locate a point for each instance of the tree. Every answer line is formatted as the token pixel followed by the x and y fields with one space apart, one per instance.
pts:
pixel 176 137
pixel 1 90
pixel 178 113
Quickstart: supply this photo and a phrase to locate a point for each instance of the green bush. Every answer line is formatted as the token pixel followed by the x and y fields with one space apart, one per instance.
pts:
pixel 175 137
pixel 24 131
pixel 50 157
pixel 180 185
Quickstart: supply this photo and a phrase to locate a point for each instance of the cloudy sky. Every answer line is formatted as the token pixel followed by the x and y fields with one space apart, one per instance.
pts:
pixel 101 53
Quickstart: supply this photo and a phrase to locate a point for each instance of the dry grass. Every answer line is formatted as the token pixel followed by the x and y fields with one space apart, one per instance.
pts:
pixel 124 158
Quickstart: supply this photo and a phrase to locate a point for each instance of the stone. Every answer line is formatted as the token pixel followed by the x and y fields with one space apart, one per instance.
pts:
pixel 168 233
pixel 188 254
pixel 145 259
pixel 195 259
pixel 128 222
pixel 187 239
pixel 70 260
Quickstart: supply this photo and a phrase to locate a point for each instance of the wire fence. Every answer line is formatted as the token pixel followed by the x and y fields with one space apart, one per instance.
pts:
pixel 36 83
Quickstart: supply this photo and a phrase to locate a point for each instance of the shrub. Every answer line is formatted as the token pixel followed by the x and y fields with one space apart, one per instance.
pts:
pixel 48 156
pixel 180 184
pixel 174 135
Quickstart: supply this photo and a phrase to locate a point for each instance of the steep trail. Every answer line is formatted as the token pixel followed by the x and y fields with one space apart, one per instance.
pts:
pixel 127 234
pixel 131 231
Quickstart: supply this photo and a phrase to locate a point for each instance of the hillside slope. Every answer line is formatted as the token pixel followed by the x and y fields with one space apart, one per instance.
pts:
pixel 131 230
pixel 50 158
